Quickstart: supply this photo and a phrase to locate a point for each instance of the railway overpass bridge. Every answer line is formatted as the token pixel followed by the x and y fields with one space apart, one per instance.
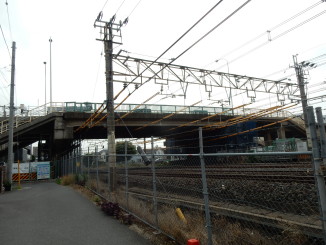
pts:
pixel 57 129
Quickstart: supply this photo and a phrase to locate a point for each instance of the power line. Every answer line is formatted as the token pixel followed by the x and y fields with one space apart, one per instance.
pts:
pixel 300 24
pixel 120 6
pixel 183 35
pixel 4 38
pixel 278 36
pixel 98 71
pixel 264 34
pixel 134 9
pixel 200 39
pixel 104 5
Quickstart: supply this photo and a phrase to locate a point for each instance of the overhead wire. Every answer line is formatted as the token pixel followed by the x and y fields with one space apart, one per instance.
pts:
pixel 126 114
pixel 104 5
pixel 120 6
pixel 174 43
pixel 300 24
pixel 195 43
pixel 208 117
pixel 4 38
pixel 134 9
pixel 271 29
pixel 253 116
pixel 254 129
pixel 168 116
pixel 98 71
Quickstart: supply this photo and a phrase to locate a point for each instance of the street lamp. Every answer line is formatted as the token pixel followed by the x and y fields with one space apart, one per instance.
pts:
pixel 44 86
pixel 50 40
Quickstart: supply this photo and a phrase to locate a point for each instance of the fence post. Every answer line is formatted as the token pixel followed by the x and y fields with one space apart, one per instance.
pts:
pixel 321 127
pixel 81 166
pixel 205 189
pixel 96 161
pixel 65 164
pixel 88 156
pixel 29 172
pixel 75 159
pixel 154 184
pixel 126 173
pixel 71 160
pixel 318 172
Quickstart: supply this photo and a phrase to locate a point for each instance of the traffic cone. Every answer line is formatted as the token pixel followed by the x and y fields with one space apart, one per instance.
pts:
pixel 193 242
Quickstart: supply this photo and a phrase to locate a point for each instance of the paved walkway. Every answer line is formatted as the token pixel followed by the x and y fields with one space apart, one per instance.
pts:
pixel 47 213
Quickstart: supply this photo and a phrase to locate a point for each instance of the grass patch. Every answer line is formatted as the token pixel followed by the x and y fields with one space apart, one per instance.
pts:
pixel 58 181
pixel 68 179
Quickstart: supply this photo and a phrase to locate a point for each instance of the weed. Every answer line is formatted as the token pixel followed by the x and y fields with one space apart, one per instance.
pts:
pixel 68 179
pixel 96 199
pixel 58 181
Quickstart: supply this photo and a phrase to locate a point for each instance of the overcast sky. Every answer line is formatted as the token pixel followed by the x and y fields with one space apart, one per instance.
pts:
pixel 78 66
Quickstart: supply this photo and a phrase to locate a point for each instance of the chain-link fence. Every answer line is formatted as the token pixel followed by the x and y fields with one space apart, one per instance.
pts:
pixel 219 198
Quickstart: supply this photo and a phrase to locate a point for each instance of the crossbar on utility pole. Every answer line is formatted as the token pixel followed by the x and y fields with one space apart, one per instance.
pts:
pixel 11 116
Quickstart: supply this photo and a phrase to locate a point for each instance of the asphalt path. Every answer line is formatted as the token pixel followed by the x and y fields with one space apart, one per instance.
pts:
pixel 47 213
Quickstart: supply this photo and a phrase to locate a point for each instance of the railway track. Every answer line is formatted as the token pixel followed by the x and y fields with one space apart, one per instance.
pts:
pixel 286 173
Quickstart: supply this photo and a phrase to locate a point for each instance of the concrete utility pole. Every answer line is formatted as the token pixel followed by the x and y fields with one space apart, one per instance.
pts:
pixel 304 102
pixel 50 40
pixel 107 29
pixel 11 116
pixel 44 87
pixel 300 78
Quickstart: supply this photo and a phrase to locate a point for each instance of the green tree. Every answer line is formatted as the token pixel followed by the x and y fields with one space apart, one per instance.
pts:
pixel 120 149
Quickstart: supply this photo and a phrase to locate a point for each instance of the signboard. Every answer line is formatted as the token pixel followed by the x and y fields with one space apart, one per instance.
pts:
pixel 23 168
pixel 43 170
pixel 26 167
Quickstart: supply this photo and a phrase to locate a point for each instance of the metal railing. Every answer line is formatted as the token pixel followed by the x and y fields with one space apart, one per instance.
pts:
pixel 32 113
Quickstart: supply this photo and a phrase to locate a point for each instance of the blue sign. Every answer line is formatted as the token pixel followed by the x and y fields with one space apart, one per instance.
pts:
pixel 43 170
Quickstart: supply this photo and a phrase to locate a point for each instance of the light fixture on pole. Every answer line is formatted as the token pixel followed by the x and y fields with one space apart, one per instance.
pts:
pixel 44 87
pixel 50 40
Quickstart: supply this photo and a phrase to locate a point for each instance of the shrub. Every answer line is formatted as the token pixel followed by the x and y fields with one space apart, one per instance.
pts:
pixel 111 209
pixel 68 179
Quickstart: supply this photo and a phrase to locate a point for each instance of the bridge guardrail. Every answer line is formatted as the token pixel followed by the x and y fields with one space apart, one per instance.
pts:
pixel 31 113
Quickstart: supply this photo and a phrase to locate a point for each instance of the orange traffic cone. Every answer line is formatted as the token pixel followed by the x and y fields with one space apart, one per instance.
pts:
pixel 193 242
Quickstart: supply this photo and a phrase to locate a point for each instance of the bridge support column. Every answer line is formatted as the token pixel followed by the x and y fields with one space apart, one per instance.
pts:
pixel 281 132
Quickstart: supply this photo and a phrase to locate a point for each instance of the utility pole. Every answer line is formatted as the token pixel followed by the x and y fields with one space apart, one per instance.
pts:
pixel 44 87
pixel 304 102
pixel 300 78
pixel 11 116
pixel 50 40
pixel 106 29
